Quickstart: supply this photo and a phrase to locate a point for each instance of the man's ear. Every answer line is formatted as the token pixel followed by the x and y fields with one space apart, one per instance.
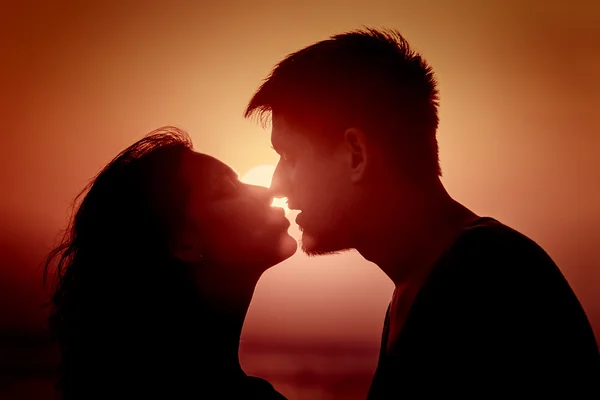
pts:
pixel 356 145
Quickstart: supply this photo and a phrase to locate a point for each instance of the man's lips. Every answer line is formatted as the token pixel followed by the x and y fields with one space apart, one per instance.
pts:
pixel 291 205
pixel 294 207
pixel 299 218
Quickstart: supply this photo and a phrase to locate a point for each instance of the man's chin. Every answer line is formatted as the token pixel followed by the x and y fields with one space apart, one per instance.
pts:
pixel 311 246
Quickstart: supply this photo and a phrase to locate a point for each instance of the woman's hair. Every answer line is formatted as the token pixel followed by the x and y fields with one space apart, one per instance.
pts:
pixel 118 291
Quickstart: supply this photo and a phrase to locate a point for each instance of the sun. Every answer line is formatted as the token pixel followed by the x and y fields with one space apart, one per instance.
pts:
pixel 262 175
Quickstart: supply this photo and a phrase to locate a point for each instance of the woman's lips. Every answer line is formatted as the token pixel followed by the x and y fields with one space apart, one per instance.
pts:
pixel 277 216
pixel 279 211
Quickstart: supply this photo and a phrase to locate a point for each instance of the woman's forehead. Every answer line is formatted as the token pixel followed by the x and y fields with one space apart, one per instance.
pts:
pixel 202 166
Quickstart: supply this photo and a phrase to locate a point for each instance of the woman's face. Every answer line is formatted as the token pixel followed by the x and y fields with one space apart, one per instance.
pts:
pixel 227 222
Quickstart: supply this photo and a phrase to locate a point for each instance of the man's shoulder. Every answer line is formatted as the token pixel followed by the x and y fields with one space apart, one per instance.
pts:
pixel 492 233
pixel 489 254
pixel 488 240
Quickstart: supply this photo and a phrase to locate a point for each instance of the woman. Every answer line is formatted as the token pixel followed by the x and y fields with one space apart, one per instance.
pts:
pixel 156 273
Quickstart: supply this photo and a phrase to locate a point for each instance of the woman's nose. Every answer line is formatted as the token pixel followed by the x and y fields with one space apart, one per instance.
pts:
pixel 262 194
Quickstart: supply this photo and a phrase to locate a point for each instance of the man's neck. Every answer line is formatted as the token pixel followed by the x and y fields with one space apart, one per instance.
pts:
pixel 407 241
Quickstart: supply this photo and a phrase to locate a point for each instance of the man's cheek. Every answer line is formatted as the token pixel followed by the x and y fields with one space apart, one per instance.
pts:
pixel 301 177
pixel 294 175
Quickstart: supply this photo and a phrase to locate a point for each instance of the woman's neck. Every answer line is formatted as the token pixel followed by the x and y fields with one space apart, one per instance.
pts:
pixel 222 343
pixel 227 297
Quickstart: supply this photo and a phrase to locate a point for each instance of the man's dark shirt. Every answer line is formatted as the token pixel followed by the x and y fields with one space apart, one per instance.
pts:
pixel 494 316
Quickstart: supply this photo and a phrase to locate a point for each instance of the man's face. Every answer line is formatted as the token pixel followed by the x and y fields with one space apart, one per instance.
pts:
pixel 316 181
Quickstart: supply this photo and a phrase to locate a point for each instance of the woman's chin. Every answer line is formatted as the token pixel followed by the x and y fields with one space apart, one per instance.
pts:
pixel 279 251
pixel 287 246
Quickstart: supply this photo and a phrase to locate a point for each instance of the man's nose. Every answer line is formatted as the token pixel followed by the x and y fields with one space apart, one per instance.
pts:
pixel 279 184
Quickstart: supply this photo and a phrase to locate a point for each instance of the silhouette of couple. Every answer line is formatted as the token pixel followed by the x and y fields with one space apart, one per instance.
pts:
pixel 158 267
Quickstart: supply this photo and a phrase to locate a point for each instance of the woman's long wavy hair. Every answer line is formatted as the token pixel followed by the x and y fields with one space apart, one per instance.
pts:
pixel 124 311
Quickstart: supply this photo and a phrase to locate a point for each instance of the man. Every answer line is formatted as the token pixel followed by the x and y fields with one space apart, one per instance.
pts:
pixel 478 309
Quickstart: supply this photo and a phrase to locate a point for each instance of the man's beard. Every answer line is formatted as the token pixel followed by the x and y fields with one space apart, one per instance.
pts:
pixel 324 244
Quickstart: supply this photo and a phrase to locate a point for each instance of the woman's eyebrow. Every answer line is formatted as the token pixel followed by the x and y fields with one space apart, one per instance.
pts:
pixel 230 173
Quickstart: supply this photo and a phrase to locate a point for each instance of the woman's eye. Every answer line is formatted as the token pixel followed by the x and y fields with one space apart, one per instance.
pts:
pixel 227 188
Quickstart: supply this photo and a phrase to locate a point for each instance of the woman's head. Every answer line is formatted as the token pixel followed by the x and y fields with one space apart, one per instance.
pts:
pixel 154 229
pixel 227 222
pixel 160 202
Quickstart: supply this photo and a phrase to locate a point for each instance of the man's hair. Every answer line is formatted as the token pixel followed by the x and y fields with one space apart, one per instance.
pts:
pixel 368 79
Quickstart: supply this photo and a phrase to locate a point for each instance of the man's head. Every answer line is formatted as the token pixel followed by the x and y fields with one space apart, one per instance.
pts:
pixel 351 115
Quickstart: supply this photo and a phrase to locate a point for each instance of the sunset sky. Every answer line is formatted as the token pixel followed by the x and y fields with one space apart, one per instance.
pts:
pixel 519 134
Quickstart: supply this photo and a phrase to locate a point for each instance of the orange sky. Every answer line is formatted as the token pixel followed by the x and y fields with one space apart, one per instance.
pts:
pixel 519 136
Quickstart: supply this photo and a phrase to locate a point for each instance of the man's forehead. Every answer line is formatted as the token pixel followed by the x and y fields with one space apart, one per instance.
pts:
pixel 280 126
pixel 289 136
pixel 283 133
